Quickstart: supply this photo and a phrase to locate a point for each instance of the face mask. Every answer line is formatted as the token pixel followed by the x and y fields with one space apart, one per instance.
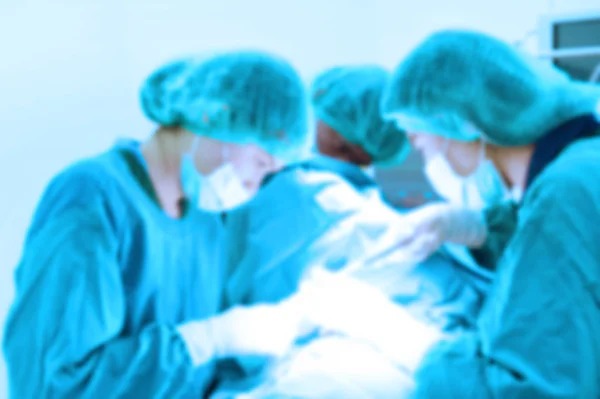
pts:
pixel 228 191
pixel 485 186
pixel 444 181
pixel 482 188
pixel 219 191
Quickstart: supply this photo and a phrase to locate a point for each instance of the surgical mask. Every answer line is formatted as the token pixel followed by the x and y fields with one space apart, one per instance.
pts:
pixel 485 186
pixel 225 188
pixel 219 191
pixel 482 188
pixel 446 183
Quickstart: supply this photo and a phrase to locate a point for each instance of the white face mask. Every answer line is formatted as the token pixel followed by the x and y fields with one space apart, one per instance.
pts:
pixel 484 187
pixel 222 190
pixel 219 191
pixel 444 181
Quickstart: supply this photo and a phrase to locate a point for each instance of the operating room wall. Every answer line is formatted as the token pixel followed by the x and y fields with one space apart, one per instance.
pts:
pixel 70 69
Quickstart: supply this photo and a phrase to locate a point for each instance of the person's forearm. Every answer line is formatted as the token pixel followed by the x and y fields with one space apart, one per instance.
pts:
pixel 154 363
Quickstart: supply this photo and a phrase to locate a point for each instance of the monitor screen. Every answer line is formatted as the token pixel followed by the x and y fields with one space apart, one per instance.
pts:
pixel 582 33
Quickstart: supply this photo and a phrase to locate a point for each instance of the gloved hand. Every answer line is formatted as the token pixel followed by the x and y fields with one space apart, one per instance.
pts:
pixel 435 224
pixel 345 305
pixel 260 330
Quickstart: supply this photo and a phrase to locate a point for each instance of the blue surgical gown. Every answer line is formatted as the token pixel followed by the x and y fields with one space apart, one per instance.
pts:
pixel 282 223
pixel 330 216
pixel 538 335
pixel 502 219
pixel 104 278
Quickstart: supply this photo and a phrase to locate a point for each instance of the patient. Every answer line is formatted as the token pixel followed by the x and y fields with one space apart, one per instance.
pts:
pixel 327 212
pixel 344 226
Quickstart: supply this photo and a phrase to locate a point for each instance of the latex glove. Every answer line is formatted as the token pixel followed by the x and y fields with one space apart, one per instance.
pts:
pixel 260 330
pixel 345 305
pixel 435 224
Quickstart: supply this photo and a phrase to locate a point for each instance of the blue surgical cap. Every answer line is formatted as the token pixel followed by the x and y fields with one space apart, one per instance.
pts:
pixel 348 100
pixel 238 97
pixel 466 86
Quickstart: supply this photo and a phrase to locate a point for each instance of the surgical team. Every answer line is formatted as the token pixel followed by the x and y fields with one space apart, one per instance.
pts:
pixel 156 268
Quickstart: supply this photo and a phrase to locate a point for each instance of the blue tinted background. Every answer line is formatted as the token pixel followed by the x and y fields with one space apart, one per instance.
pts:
pixel 70 70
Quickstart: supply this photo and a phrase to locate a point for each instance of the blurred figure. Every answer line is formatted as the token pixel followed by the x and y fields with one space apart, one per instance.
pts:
pixel 350 126
pixel 500 122
pixel 328 213
pixel 122 271
pixel 310 197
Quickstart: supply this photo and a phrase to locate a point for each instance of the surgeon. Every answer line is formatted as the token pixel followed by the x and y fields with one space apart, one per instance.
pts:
pixel 295 206
pixel 119 289
pixel 350 126
pixel 351 129
pixel 495 119
pixel 328 212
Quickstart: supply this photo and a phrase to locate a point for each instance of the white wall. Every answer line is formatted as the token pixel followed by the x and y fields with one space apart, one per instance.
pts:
pixel 70 70
pixel 401 27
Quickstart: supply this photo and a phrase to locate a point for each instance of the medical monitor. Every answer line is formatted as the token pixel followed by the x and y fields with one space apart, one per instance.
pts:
pixel 574 38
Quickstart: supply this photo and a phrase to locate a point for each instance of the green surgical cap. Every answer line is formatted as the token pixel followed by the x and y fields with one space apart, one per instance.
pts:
pixel 466 85
pixel 348 100
pixel 238 97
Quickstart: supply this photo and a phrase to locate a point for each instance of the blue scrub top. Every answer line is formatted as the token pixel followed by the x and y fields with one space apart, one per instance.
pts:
pixel 537 336
pixel 104 279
